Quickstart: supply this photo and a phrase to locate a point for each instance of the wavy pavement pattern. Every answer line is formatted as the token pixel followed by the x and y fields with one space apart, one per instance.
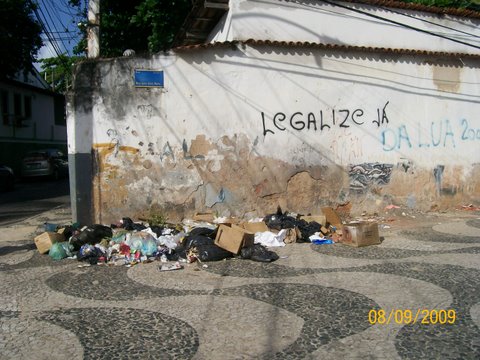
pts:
pixel 133 333
pixel 329 313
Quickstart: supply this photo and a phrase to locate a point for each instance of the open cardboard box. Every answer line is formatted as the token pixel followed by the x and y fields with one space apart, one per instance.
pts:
pixel 254 227
pixel 44 241
pixel 360 234
pixel 332 217
pixel 233 238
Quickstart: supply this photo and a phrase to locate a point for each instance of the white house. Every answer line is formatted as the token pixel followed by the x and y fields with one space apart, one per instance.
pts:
pixel 32 116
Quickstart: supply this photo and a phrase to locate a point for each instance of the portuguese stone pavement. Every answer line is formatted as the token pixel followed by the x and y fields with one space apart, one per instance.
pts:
pixel 315 302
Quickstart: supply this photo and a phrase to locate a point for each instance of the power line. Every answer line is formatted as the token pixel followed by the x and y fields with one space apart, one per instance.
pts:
pixel 400 24
pixel 49 36
pixel 45 31
pixel 53 24
pixel 430 22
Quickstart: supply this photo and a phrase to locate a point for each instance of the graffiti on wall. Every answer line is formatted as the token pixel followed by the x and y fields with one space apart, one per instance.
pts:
pixel 363 176
pixel 443 133
pixel 323 120
pixel 347 154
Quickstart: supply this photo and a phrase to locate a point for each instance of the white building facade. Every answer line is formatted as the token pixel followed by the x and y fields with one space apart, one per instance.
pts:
pixel 32 116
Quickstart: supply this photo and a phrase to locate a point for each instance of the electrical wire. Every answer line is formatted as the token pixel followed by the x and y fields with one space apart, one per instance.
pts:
pixel 429 22
pixel 399 23
pixel 49 36
pixel 52 22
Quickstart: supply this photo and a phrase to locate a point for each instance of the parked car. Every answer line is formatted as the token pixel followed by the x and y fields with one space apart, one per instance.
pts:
pixel 47 162
pixel 7 178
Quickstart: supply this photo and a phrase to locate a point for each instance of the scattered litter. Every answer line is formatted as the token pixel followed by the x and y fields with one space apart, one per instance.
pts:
pixel 270 239
pixel 170 267
pixel 469 207
pixel 257 252
pixel 322 241
pixel 204 238
pixel 391 207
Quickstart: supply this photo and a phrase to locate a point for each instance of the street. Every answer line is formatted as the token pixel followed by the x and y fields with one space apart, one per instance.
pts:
pixel 32 197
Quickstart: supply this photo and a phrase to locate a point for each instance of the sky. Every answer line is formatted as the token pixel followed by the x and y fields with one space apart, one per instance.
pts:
pixel 60 21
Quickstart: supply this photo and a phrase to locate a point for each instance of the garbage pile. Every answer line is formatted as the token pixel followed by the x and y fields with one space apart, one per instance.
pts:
pixel 203 239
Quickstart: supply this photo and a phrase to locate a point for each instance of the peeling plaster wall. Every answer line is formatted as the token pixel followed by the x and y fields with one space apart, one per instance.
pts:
pixel 243 130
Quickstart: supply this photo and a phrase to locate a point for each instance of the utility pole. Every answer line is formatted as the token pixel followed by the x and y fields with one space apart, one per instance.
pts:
pixel 93 29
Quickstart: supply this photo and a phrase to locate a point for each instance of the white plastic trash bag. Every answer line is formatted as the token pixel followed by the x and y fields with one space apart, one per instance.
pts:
pixel 270 239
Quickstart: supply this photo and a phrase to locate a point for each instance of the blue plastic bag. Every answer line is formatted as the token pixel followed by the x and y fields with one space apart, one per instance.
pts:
pixel 322 241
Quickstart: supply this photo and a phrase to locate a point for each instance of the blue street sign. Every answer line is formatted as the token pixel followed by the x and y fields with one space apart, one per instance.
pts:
pixel 148 78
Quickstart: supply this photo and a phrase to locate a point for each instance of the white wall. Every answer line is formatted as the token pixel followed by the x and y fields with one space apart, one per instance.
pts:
pixel 144 138
pixel 243 128
pixel 323 23
pixel 432 110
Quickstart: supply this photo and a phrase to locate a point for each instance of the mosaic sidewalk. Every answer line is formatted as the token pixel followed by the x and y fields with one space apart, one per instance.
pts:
pixel 313 303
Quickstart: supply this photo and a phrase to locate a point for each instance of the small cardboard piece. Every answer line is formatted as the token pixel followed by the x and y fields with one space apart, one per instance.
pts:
pixel 207 217
pixel 324 230
pixel 255 227
pixel 360 234
pixel 292 236
pixel 228 221
pixel 44 241
pixel 233 238
pixel 332 217
pixel 321 219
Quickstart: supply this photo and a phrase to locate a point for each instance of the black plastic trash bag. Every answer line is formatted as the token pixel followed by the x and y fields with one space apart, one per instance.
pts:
pixel 279 220
pixel 211 233
pixel 91 235
pixel 158 230
pixel 128 224
pixel 307 229
pixel 258 252
pixel 274 221
pixel 211 253
pixel 196 241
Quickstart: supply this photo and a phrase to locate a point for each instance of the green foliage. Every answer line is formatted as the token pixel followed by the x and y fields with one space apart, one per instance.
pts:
pixel 470 4
pixel 19 36
pixel 58 71
pixel 146 26
pixel 157 218
pixel 163 19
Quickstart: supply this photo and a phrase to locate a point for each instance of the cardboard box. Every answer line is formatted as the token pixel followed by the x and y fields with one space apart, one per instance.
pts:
pixel 228 221
pixel 233 238
pixel 207 217
pixel 332 217
pixel 255 227
pixel 44 241
pixel 321 219
pixel 360 234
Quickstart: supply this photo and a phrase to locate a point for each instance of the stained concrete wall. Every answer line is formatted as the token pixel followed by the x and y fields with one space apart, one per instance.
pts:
pixel 243 129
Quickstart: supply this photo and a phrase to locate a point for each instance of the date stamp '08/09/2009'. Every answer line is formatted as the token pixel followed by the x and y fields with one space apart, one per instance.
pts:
pixel 407 316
